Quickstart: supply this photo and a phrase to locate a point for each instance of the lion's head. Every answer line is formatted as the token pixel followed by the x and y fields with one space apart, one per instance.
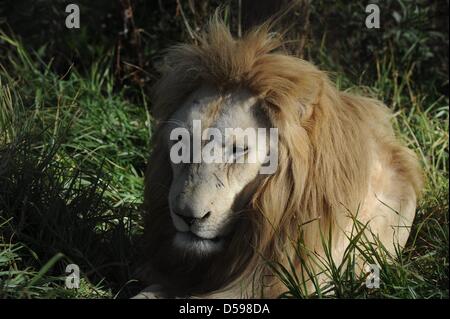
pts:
pixel 208 195
pixel 208 225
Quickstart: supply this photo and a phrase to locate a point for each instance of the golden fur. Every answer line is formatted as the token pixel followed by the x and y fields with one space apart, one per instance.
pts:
pixel 327 140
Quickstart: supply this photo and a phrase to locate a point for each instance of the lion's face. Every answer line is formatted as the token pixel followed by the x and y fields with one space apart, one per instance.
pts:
pixel 212 184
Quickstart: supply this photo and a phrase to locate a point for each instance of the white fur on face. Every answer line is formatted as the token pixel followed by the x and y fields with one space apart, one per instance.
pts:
pixel 206 192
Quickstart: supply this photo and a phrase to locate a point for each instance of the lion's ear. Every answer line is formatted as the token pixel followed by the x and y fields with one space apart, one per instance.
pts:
pixel 312 94
pixel 290 85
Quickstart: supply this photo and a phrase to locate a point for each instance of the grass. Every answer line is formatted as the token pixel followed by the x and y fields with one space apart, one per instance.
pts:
pixel 72 155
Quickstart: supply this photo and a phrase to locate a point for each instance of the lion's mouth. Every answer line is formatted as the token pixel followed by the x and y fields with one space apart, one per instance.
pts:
pixel 191 236
pixel 194 242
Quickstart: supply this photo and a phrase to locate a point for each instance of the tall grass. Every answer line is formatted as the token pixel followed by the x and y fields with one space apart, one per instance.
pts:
pixel 72 154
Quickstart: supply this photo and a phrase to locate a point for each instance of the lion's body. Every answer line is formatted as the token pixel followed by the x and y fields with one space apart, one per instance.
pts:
pixel 338 156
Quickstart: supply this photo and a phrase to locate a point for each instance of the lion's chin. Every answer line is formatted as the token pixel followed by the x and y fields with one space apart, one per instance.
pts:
pixel 194 244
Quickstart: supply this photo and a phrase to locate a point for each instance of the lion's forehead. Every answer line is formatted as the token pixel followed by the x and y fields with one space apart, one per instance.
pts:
pixel 217 110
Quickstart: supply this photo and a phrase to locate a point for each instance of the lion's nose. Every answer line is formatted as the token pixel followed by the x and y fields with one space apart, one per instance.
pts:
pixel 188 215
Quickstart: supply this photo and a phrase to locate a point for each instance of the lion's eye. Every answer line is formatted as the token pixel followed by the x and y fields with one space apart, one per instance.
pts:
pixel 178 139
pixel 239 150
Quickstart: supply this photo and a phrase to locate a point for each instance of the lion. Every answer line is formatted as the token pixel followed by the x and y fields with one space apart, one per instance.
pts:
pixel 211 228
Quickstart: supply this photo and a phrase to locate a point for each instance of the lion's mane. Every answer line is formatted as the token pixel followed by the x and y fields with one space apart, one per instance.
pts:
pixel 323 159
